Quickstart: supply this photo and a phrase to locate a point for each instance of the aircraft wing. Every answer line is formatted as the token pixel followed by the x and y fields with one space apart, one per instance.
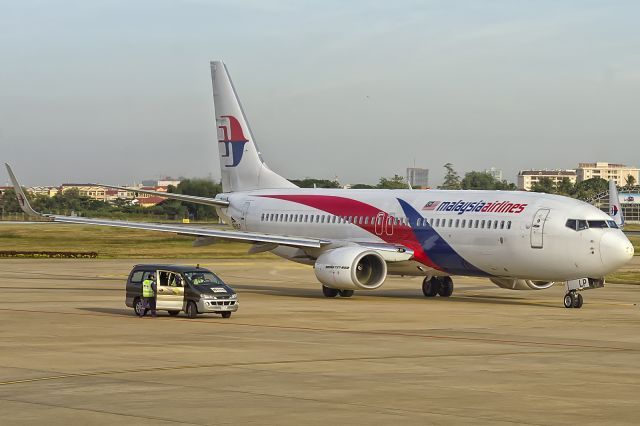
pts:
pixel 249 237
pixel 172 196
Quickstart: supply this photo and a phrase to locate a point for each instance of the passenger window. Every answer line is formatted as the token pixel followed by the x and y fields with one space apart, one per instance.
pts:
pixel 502 224
pixel 482 224
pixel 582 224
pixel 431 221
pixel 450 223
pixel 366 220
pixel 137 277
pixel 509 225
pixel 457 223
pixel 495 224
pixel 477 223
pixel 437 223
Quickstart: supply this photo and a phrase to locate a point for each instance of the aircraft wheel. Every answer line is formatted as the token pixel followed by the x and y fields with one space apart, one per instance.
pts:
pixel 138 306
pixel 226 314
pixel 345 293
pixel 329 292
pixel 174 313
pixel 192 310
pixel 577 301
pixel 430 287
pixel 568 300
pixel 446 287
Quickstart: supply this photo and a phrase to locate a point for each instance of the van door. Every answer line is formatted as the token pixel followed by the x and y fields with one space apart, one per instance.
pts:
pixel 170 295
pixel 537 228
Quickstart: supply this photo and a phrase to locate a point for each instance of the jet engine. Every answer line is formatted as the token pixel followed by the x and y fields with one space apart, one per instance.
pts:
pixel 513 284
pixel 351 268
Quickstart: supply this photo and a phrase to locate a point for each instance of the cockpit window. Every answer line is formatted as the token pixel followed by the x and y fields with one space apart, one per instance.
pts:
pixel 572 224
pixel 598 224
pixel 582 224
pixel 612 224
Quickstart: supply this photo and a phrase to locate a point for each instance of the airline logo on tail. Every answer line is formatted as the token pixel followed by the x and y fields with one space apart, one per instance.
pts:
pixel 614 210
pixel 232 136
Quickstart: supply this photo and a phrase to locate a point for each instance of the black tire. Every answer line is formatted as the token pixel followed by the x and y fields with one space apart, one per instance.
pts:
pixel 446 287
pixel 138 306
pixel 430 287
pixel 568 300
pixel 329 292
pixel 577 301
pixel 192 310
pixel 346 293
pixel 226 314
pixel 174 313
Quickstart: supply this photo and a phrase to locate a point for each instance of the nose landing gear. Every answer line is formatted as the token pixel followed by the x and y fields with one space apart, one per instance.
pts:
pixel 573 299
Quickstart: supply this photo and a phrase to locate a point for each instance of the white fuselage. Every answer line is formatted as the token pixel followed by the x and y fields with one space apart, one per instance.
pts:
pixel 476 233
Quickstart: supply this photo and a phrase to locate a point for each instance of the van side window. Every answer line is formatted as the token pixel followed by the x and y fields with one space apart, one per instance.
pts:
pixel 137 277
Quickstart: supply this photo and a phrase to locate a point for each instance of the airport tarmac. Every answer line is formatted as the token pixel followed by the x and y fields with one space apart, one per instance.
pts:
pixel 72 353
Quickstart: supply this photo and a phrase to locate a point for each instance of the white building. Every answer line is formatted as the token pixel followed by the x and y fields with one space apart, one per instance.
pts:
pixel 496 173
pixel 418 178
pixel 527 178
pixel 607 171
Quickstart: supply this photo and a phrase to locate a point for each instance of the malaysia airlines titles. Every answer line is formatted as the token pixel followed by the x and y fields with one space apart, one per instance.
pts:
pixel 481 206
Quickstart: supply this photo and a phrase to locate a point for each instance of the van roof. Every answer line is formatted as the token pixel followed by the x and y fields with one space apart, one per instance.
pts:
pixel 172 268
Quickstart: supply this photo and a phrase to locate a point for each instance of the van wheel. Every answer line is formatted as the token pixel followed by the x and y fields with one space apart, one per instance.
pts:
pixel 174 313
pixel 226 314
pixel 192 310
pixel 138 306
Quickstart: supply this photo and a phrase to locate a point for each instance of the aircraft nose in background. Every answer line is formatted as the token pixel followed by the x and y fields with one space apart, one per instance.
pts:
pixel 615 250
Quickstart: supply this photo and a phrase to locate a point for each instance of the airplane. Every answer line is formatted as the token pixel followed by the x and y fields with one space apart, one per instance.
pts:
pixel 615 210
pixel 354 238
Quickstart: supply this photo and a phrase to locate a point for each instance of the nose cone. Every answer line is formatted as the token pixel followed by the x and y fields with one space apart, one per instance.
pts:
pixel 615 250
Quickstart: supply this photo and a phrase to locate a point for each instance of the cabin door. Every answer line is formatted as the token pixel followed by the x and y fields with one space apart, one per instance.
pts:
pixel 537 228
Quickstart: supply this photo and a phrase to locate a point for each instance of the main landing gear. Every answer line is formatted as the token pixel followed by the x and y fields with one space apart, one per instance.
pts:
pixel 333 292
pixel 433 286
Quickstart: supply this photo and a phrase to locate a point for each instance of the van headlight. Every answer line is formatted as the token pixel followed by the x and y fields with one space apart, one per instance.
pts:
pixel 207 296
pixel 234 296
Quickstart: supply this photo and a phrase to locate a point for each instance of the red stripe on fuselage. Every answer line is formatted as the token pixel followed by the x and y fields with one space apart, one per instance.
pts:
pixel 341 206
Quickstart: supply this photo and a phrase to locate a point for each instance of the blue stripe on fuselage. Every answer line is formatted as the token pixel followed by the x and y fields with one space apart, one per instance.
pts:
pixel 437 248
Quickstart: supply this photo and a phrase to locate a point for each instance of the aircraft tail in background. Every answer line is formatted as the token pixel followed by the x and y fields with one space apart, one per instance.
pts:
pixel 615 210
pixel 241 164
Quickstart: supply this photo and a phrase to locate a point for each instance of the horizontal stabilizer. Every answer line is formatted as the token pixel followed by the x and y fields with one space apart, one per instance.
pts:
pixel 172 196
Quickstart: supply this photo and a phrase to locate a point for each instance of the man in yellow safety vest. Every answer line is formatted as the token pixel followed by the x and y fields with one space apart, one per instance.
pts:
pixel 149 296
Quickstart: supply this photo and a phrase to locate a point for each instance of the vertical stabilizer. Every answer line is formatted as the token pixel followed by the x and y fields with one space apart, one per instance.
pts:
pixel 241 164
pixel 615 210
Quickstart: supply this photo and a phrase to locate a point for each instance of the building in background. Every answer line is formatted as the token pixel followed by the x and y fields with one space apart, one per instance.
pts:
pixel 607 171
pixel 163 182
pixel 418 178
pixel 527 178
pixel 47 191
pixel 496 173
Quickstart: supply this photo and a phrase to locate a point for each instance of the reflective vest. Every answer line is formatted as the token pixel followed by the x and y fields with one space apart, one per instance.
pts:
pixel 147 290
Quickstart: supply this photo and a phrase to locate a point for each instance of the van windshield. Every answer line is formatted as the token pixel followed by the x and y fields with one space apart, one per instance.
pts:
pixel 203 278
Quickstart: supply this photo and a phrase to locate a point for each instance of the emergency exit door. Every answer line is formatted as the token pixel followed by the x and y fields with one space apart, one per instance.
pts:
pixel 537 228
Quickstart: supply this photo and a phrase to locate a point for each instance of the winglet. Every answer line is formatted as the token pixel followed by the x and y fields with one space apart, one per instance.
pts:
pixel 22 198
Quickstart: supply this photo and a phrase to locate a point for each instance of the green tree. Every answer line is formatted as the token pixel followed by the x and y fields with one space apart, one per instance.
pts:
pixel 590 188
pixel 631 181
pixel 315 183
pixel 396 182
pixel 478 180
pixel 200 188
pixel 505 186
pixel 565 186
pixel 545 184
pixel 451 178
pixel 362 186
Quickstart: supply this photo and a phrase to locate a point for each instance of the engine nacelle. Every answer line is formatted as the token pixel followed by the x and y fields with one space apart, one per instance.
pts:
pixel 513 284
pixel 351 268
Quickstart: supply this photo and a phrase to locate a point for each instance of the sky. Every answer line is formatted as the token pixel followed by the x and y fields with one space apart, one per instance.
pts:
pixel 120 91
